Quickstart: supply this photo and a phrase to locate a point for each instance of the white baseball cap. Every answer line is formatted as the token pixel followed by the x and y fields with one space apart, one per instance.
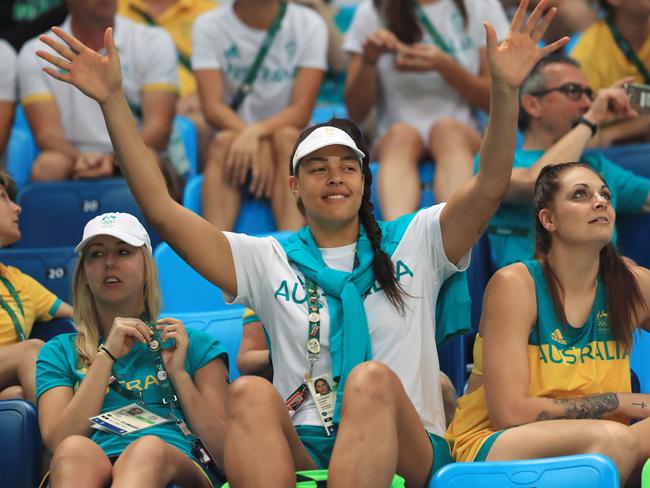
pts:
pixel 322 137
pixel 123 226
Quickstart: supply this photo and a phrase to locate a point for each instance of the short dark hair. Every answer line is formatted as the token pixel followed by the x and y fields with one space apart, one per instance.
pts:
pixel 536 81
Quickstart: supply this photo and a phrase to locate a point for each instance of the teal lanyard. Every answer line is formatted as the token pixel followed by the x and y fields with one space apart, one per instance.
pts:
pixel 247 85
pixel 432 31
pixel 12 315
pixel 627 50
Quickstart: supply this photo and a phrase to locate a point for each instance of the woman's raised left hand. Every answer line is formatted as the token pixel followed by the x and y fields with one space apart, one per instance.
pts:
pixel 511 60
pixel 174 357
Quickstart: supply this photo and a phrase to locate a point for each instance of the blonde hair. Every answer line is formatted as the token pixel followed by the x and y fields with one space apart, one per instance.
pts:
pixel 85 310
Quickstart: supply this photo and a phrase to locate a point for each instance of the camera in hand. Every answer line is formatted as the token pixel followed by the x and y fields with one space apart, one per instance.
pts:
pixel 639 95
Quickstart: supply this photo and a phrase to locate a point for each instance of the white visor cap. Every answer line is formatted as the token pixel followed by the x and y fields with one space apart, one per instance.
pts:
pixel 122 226
pixel 322 137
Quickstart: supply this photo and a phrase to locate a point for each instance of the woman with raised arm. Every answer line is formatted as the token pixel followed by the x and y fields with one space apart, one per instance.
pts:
pixel 373 335
pixel 554 339
pixel 155 391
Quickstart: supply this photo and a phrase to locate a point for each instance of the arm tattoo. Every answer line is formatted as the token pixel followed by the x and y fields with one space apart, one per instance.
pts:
pixel 592 407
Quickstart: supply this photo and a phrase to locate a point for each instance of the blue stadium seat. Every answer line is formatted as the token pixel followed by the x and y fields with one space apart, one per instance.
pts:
pixel 54 214
pixel 47 330
pixel 633 237
pixel 324 112
pixel 579 471
pixel 225 325
pixel 427 171
pixel 634 157
pixel 21 152
pixel 51 266
pixel 255 216
pixel 479 273
pixel 453 363
pixel 188 133
pixel 183 289
pixel 639 359
pixel 20 445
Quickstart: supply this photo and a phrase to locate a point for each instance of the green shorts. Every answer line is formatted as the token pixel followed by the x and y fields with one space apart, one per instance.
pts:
pixel 487 445
pixel 319 446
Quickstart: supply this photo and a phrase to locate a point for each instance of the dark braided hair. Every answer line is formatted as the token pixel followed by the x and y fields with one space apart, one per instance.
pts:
pixel 382 266
pixel 621 287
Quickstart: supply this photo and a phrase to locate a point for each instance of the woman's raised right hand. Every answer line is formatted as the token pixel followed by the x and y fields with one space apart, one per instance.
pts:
pixel 96 75
pixel 124 333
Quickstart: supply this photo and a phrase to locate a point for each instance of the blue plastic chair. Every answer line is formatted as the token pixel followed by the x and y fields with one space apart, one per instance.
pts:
pixel 20 444
pixel 52 267
pixel 224 325
pixel 48 330
pixel 21 152
pixel 579 471
pixel 255 216
pixel 427 171
pixel 453 362
pixel 639 359
pixel 183 289
pixel 634 157
pixel 324 112
pixel 54 214
pixel 633 237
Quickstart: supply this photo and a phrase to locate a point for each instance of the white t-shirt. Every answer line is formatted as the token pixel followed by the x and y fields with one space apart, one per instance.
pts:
pixel 221 41
pixel 268 284
pixel 8 73
pixel 148 61
pixel 421 98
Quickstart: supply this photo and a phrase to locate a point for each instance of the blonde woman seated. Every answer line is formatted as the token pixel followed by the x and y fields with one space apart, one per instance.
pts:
pixel 551 374
pixel 123 364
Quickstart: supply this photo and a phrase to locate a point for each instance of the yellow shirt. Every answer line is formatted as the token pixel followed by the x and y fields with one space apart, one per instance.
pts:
pixel 602 60
pixel 177 20
pixel 39 304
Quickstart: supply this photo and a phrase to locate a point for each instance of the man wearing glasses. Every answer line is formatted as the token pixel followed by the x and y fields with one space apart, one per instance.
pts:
pixel 559 116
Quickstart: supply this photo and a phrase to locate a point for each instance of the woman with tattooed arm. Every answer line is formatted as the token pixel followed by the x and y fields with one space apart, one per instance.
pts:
pixel 551 373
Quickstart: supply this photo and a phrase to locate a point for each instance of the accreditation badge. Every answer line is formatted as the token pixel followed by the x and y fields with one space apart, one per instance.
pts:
pixel 323 391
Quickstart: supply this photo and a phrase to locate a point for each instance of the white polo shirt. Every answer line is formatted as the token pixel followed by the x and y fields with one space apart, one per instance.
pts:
pixel 269 284
pixel 148 61
pixel 8 73
pixel 421 98
pixel 221 41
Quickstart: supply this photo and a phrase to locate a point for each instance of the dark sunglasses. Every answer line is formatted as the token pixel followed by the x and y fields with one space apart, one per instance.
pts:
pixel 572 91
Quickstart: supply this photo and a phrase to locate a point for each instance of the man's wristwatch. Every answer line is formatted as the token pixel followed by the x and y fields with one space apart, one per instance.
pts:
pixel 591 125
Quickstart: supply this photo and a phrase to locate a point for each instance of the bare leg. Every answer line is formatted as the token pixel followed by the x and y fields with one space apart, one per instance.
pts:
pixel 220 200
pixel 283 202
pixel 398 182
pixel 79 462
pixel 380 433
pixel 565 437
pixel 151 462
pixel 12 392
pixel 259 429
pixel 18 366
pixel 452 146
pixel 52 166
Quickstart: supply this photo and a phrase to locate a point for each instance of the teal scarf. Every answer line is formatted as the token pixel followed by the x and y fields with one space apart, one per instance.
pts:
pixel 349 336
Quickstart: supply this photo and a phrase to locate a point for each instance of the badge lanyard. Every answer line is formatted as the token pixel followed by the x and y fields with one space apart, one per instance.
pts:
pixel 12 315
pixel 432 31
pixel 313 338
pixel 169 398
pixel 627 50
